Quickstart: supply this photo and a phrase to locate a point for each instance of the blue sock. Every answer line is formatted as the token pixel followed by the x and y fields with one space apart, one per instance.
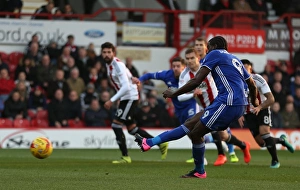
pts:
pixel 166 136
pixel 230 148
pixel 198 154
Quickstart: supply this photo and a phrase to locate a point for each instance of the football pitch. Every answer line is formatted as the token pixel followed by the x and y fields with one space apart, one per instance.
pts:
pixel 92 169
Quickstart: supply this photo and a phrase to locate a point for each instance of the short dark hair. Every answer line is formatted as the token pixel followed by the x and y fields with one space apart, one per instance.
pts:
pixel 219 42
pixel 246 62
pixel 109 46
pixel 191 50
pixel 179 59
pixel 202 39
pixel 70 36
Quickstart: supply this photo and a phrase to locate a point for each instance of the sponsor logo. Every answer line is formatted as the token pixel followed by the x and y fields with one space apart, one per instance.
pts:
pixel 93 33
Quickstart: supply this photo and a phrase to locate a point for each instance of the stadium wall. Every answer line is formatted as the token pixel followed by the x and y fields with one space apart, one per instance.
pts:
pixel 92 138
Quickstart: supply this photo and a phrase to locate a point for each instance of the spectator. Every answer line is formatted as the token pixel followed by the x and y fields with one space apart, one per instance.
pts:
pixel 268 71
pixel 64 57
pixel 131 67
pixel 21 88
pixel 27 66
pixel 33 52
pixel 53 52
pixel 290 117
pixel 241 5
pixel 206 5
pixel 93 77
pixel 104 97
pixel 95 115
pixel 259 6
pixel 22 78
pixel 35 39
pixel 10 6
pixel 172 120
pixel 45 72
pixel 81 62
pixel 297 100
pixel 57 15
pixel 68 67
pixel 223 5
pixel 296 59
pixel 45 9
pixel 146 116
pixel 6 86
pixel 276 117
pixel 3 65
pixel 88 6
pixel 58 83
pixel 68 11
pixel 14 107
pixel 75 82
pixel 278 94
pixel 58 110
pixel 102 72
pixel 73 48
pixel 294 7
pixel 37 100
pixel 104 86
pixel 295 84
pixel 92 59
pixel 74 106
pixel 278 77
pixel 87 96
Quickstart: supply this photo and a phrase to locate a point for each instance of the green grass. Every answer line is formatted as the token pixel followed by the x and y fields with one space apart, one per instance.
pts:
pixel 92 169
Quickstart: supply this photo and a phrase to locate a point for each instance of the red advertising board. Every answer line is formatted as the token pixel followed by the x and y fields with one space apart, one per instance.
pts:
pixel 240 41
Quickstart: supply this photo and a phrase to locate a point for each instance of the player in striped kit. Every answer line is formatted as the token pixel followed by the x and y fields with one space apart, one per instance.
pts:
pixel 258 119
pixel 128 95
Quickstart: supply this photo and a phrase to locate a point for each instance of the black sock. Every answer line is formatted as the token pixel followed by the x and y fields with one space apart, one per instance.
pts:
pixel 141 132
pixel 218 142
pixel 121 140
pixel 279 141
pixel 270 144
pixel 233 140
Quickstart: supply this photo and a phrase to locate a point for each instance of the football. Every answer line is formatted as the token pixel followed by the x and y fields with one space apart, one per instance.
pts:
pixel 41 147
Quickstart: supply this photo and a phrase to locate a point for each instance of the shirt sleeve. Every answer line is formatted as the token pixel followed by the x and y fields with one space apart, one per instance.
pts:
pixel 210 60
pixel 186 96
pixel 262 84
pixel 124 80
pixel 160 75
pixel 245 72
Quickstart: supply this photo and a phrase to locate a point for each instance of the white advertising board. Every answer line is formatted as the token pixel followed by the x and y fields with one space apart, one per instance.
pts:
pixel 77 138
pixel 16 31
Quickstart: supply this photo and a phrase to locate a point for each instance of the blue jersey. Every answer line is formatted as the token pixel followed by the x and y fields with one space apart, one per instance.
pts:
pixel 229 75
pixel 169 79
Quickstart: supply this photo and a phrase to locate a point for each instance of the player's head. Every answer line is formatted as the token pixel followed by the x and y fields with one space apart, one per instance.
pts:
pixel 201 46
pixel 248 65
pixel 108 51
pixel 217 42
pixel 191 56
pixel 178 64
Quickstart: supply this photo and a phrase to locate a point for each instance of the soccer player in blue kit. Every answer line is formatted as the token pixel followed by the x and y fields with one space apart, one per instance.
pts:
pixel 230 77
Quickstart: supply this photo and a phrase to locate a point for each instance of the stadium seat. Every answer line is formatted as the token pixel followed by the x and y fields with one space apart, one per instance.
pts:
pixel 42 114
pixel 20 123
pixel 14 57
pixel 39 123
pixel 5 123
pixel 4 57
pixel 31 114
pixel 242 22
pixel 12 69
pixel 73 124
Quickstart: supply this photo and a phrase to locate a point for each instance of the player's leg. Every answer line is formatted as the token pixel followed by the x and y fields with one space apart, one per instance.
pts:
pixel 128 117
pixel 244 146
pixel 232 155
pixel 221 159
pixel 284 142
pixel 171 135
pixel 196 136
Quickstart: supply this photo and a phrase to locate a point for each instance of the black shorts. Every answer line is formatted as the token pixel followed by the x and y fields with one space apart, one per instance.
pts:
pixel 126 112
pixel 253 122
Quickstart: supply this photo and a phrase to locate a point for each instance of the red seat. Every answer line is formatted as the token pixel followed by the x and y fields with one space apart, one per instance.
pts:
pixel 39 123
pixel 73 123
pixel 42 114
pixel 14 57
pixel 20 123
pixel 12 69
pixel 4 56
pixel 31 114
pixel 5 123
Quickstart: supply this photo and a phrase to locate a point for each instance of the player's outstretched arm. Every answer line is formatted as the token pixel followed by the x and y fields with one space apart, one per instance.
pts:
pixel 252 91
pixel 190 85
pixel 268 102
